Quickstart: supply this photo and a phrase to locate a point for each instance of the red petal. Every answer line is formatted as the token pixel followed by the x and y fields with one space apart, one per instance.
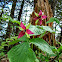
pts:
pixel 36 18
pixel 40 21
pixel 21 34
pixel 29 32
pixel 40 13
pixel 44 17
pixel 22 25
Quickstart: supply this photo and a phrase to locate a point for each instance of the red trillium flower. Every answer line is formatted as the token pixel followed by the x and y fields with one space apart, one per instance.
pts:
pixel 40 17
pixel 24 31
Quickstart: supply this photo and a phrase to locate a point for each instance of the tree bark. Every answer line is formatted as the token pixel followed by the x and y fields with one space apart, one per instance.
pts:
pixel 35 1
pixel 53 4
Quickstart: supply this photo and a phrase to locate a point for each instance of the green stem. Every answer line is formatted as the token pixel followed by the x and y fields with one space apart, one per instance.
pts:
pixel 32 44
pixel 33 36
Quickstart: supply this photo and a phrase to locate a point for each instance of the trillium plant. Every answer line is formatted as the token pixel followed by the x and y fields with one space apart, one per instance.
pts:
pixel 27 39
pixel 39 17
pixel 24 31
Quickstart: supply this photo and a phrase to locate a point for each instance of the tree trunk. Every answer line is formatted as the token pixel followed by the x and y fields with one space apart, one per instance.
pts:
pixel 61 36
pixel 17 29
pixel 46 8
pixel 9 29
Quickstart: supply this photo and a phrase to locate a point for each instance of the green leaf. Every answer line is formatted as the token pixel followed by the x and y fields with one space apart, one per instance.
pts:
pixel 36 14
pixel 36 60
pixel 4 44
pixel 1 54
pixel 60 60
pixel 1 47
pixel 20 28
pixel 5 17
pixel 57 21
pixel 36 30
pixel 47 28
pixel 15 21
pixel 11 39
pixel 24 38
pixel 27 35
pixel 52 20
pixel 42 44
pixel 28 26
pixel 42 34
pixel 37 21
pixel 21 53
pixel 54 49
pixel 60 49
pixel 59 43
